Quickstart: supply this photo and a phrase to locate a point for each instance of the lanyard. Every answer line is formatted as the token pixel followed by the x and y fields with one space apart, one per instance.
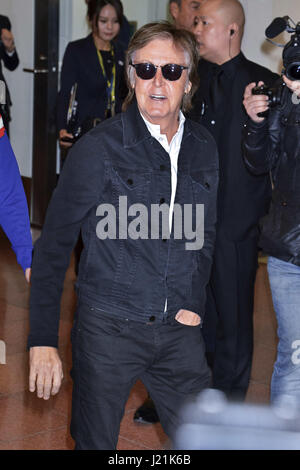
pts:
pixel 111 84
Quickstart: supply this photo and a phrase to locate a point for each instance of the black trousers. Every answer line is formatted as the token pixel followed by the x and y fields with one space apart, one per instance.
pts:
pixel 228 321
pixel 110 354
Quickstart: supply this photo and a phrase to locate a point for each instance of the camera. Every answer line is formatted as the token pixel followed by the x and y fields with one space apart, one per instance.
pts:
pixel 290 56
pixel 274 94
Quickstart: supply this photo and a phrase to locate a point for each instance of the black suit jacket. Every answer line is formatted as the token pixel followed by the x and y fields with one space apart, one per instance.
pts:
pixel 81 65
pixel 10 62
pixel 243 197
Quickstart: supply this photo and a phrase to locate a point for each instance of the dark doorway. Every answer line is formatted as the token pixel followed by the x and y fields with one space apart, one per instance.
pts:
pixel 45 90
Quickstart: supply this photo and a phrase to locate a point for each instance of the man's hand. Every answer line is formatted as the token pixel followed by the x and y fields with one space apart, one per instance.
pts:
pixel 45 371
pixel 255 104
pixel 186 317
pixel 294 85
pixel 8 40
pixel 28 275
pixel 63 133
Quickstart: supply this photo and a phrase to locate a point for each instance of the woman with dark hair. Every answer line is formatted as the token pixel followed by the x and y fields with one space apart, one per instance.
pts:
pixel 93 68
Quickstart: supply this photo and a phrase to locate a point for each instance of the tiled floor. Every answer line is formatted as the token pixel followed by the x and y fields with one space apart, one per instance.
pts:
pixel 29 423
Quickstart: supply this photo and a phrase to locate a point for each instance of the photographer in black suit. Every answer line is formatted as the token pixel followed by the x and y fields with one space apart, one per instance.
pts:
pixel 10 59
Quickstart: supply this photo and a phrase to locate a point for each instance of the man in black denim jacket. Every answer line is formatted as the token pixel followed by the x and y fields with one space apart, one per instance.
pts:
pixel 141 300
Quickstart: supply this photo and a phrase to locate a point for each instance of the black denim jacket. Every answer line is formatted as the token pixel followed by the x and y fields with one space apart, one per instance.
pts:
pixel 127 278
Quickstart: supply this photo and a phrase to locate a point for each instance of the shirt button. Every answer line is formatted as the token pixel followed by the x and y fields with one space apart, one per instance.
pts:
pixel 162 167
pixel 284 203
pixel 130 182
pixel 213 122
pixel 152 319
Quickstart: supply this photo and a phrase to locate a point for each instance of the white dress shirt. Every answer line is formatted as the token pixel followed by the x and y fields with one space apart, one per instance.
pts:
pixel 173 150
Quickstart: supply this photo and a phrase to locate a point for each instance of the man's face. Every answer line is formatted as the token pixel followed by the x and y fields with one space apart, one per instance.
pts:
pixel 212 34
pixel 159 100
pixel 184 15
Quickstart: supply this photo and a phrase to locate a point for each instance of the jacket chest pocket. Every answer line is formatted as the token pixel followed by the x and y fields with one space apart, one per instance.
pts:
pixel 204 184
pixel 133 184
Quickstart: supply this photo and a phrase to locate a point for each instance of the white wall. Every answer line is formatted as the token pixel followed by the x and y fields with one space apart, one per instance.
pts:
pixel 21 15
pixel 259 14
pixel 144 11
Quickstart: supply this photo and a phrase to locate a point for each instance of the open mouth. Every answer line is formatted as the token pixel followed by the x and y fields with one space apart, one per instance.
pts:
pixel 158 97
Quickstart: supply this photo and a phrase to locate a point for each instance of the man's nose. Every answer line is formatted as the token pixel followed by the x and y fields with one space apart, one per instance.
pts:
pixel 198 28
pixel 158 79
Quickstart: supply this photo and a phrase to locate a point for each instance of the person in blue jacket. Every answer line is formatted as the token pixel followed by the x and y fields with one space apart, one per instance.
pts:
pixel 14 217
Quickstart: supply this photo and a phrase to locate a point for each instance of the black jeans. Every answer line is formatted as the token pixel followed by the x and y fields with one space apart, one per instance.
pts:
pixel 228 322
pixel 110 354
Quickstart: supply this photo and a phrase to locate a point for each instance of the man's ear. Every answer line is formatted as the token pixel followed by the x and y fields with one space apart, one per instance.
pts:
pixel 174 10
pixel 188 88
pixel 233 29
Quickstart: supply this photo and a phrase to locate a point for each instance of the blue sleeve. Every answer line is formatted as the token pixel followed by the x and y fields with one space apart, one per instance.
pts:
pixel 14 217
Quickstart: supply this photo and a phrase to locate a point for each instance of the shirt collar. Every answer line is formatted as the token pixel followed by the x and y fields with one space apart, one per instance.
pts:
pixel 154 129
pixel 135 130
pixel 229 68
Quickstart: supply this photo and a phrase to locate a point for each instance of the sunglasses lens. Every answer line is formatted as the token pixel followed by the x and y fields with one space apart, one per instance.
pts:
pixel 171 72
pixel 145 71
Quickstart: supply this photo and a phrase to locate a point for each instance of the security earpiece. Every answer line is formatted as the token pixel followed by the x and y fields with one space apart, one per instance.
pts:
pixel 231 32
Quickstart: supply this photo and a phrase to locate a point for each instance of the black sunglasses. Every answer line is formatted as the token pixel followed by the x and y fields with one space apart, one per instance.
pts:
pixel 170 72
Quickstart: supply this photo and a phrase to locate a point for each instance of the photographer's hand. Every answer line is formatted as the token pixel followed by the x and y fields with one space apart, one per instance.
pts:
pixel 255 104
pixel 293 85
pixel 62 135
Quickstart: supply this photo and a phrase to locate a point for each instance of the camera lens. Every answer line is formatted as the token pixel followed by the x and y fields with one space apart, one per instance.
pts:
pixel 293 71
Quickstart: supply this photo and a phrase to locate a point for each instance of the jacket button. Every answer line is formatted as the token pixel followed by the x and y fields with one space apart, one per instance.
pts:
pixel 162 201
pixel 164 240
pixel 284 204
pixel 130 182
pixel 207 185
pixel 162 167
pixel 152 319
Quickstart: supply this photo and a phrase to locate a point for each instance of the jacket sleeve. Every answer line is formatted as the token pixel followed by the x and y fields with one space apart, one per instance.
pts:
pixel 11 62
pixel 14 216
pixel 75 196
pixel 197 301
pixel 69 76
pixel 261 143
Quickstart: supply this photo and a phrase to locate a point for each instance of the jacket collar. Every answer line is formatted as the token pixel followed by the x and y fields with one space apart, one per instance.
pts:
pixel 135 130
